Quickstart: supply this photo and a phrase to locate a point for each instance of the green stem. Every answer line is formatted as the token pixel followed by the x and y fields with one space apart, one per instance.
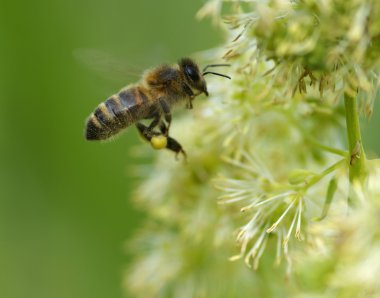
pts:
pixel 320 176
pixel 327 171
pixel 356 152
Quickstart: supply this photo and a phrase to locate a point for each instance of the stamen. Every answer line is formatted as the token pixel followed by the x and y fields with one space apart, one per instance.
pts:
pixel 261 251
pixel 275 198
pixel 248 226
pixel 253 204
pixel 286 239
pixel 227 199
pixel 274 226
pixel 247 237
pixel 298 229
pixel 252 253
pixel 259 164
pixel 242 165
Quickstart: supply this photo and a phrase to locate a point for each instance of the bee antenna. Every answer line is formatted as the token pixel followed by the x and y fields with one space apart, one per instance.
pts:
pixel 215 73
pixel 215 65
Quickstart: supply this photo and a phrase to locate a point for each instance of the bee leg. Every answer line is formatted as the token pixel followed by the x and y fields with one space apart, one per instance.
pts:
pixel 189 105
pixel 144 131
pixel 163 129
pixel 154 123
pixel 167 115
pixel 190 94
pixel 173 145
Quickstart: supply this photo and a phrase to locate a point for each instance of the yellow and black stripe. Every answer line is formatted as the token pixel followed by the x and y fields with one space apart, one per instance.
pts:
pixel 117 112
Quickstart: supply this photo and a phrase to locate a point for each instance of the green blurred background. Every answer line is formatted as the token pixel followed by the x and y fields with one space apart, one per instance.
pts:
pixel 65 211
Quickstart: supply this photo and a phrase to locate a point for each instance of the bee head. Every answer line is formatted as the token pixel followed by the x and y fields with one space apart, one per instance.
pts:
pixel 193 75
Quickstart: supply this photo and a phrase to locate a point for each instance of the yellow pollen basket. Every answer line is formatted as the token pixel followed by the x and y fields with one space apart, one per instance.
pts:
pixel 159 142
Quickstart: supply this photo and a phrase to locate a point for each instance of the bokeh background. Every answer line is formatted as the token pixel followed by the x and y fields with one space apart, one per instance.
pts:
pixel 65 212
pixel 65 209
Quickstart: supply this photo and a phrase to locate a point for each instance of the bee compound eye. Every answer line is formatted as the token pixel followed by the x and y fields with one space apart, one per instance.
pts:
pixel 159 142
pixel 192 73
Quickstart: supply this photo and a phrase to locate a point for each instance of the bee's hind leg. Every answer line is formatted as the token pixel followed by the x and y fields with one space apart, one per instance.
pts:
pixel 156 120
pixel 164 129
pixel 144 131
pixel 172 144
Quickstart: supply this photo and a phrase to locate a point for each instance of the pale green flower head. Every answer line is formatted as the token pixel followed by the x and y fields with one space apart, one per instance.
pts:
pixel 350 265
pixel 270 179
pixel 330 45
pixel 184 247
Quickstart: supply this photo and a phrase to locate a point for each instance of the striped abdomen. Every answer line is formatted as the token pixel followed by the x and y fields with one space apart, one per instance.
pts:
pixel 117 112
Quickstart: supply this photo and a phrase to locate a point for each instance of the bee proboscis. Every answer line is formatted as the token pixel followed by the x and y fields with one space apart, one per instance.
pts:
pixel 160 89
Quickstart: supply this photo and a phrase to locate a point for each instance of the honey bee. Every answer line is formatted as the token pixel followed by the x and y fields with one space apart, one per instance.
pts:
pixel 153 97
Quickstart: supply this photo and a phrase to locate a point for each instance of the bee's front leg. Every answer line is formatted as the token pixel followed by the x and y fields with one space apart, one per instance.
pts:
pixel 189 104
pixel 190 95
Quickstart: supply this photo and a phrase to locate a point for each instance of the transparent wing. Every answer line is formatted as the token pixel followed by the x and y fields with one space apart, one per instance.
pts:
pixel 116 68
pixel 107 65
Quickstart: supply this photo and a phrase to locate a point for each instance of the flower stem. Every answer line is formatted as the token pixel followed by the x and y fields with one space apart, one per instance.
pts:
pixel 357 156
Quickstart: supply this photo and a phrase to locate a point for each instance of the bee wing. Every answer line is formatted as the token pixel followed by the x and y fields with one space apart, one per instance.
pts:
pixel 113 67
pixel 107 65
